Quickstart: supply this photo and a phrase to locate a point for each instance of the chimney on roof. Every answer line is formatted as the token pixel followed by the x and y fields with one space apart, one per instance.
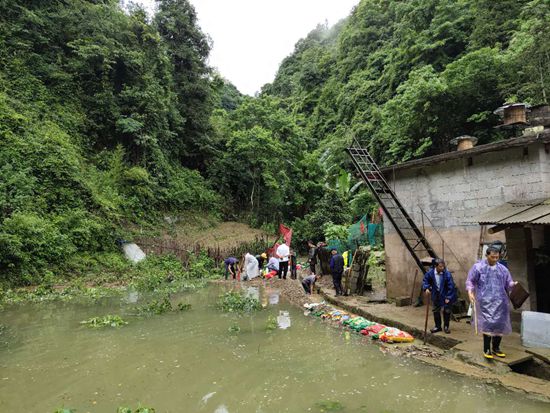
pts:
pixel 464 142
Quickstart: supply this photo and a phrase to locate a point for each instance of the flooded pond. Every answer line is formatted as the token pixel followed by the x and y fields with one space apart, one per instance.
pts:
pixel 191 362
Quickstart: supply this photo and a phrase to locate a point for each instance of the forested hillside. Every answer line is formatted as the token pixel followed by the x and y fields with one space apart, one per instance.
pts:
pixel 405 77
pixel 109 118
pixel 104 119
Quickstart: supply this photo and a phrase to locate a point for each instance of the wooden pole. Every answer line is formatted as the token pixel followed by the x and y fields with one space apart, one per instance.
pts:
pixel 350 271
pixel 475 315
pixel 414 285
pixel 426 321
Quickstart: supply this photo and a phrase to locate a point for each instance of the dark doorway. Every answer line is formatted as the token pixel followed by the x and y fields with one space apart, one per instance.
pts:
pixel 542 284
pixel 542 277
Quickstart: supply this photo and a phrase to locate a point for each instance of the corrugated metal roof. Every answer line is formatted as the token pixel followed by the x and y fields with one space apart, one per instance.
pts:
pixel 503 211
pixel 518 212
pixel 529 215
pixel 545 220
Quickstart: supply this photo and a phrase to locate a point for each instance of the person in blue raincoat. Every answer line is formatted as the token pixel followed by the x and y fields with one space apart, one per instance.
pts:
pixel 439 283
pixel 489 283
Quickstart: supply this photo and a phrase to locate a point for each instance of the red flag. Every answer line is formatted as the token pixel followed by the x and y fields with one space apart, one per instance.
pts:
pixel 271 251
pixel 286 233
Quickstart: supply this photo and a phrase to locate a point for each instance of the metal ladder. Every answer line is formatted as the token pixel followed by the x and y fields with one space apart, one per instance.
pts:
pixel 404 225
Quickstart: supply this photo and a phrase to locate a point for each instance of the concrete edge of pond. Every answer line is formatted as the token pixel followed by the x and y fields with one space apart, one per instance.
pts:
pixel 460 362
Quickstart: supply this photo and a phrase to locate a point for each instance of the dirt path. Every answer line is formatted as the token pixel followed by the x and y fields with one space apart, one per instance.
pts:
pixel 290 289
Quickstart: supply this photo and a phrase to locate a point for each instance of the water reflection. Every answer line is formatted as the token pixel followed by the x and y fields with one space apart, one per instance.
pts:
pixel 253 292
pixel 190 361
pixel 132 297
pixel 283 320
pixel 221 409
pixel 273 296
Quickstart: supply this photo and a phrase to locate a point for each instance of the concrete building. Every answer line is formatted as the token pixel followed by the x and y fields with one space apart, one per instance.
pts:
pixel 456 197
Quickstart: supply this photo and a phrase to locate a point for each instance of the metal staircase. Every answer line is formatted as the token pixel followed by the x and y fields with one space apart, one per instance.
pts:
pixel 409 233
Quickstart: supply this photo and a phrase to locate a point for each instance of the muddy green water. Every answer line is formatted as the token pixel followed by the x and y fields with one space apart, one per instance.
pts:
pixel 189 362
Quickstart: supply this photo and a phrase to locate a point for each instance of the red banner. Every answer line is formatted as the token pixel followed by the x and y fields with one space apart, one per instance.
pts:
pixel 286 233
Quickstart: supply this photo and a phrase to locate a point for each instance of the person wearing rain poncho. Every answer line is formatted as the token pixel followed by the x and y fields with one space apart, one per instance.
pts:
pixel 251 267
pixel 488 285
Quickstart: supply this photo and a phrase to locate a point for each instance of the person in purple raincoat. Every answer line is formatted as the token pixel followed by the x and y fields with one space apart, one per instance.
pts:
pixel 488 286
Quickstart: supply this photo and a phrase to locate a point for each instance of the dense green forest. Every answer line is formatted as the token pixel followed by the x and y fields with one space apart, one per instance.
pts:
pixel 110 117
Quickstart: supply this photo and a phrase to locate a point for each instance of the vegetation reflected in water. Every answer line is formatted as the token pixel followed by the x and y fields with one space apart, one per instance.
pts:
pixel 207 360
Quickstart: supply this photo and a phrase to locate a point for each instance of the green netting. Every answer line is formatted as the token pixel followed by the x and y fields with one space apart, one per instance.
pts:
pixel 373 233
pixel 360 233
pixel 339 245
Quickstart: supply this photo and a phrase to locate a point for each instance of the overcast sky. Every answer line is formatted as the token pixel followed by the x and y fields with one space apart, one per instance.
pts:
pixel 252 37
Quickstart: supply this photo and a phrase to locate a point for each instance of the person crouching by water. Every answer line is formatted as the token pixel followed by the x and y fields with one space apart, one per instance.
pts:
pixel 231 267
pixel 337 269
pixel 273 267
pixel 261 261
pixel 439 283
pixel 489 284
pixel 250 267
pixel 309 283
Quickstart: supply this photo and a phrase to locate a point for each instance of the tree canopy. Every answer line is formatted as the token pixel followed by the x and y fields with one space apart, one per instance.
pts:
pixel 109 116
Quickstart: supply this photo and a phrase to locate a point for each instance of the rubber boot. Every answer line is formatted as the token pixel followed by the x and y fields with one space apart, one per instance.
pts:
pixel 496 346
pixel 487 346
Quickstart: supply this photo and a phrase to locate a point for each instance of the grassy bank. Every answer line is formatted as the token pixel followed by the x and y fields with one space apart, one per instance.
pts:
pixel 96 274
pixel 101 275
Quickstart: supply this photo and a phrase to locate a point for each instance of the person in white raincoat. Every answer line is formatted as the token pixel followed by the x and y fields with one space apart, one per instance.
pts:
pixel 251 267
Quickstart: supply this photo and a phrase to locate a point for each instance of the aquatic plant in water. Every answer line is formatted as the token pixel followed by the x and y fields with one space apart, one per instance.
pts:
pixel 271 323
pixel 329 406
pixel 119 410
pixel 184 306
pixel 44 294
pixel 234 328
pixel 138 410
pixel 162 305
pixel 105 321
pixel 157 306
pixel 235 302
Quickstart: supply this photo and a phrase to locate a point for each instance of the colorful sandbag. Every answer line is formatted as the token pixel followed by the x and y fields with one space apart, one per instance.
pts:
pixel 373 329
pixel 357 323
pixel 394 335
pixel 360 324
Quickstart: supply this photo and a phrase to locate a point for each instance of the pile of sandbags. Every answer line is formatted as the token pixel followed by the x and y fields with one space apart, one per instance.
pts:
pixel 359 324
